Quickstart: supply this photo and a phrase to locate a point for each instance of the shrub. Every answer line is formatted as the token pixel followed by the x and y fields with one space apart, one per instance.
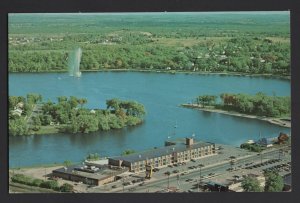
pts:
pixel 66 188
pixel 51 184
pixel 37 182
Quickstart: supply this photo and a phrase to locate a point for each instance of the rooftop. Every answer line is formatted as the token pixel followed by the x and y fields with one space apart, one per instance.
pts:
pixel 167 150
pixel 102 173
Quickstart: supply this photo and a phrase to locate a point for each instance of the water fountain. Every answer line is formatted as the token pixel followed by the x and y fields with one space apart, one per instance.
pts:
pixel 74 62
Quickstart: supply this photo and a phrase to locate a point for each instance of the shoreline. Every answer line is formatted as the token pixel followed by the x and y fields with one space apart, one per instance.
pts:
pixel 274 121
pixel 267 75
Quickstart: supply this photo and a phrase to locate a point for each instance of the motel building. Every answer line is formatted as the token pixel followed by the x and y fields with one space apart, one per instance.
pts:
pixel 171 153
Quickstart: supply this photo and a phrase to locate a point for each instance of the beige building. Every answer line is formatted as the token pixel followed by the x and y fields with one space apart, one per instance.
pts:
pixel 89 174
pixel 162 157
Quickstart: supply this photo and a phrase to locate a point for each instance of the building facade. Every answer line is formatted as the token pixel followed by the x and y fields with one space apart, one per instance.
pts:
pixel 162 157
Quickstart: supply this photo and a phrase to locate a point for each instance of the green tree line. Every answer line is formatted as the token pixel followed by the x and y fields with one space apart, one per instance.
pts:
pixel 77 119
pixel 249 55
pixel 259 104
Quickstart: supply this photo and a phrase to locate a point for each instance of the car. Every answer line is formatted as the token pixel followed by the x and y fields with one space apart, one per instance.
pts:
pixel 126 183
pixel 141 184
pixel 114 186
pixel 193 160
pixel 133 181
pixel 190 167
pixel 211 174
pixel 189 180
pixel 176 171
pixel 175 164
pixel 171 166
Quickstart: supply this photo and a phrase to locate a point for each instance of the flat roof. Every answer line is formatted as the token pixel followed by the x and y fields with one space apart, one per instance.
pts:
pixel 167 150
pixel 101 174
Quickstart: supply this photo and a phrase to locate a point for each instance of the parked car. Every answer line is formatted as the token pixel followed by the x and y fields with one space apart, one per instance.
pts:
pixel 155 169
pixel 193 160
pixel 114 186
pixel 127 183
pixel 176 171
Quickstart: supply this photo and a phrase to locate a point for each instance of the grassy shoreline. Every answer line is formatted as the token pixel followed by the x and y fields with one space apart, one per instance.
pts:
pixel 272 120
pixel 268 75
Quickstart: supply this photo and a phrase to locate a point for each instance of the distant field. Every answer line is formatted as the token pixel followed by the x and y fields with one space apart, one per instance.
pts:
pixel 249 42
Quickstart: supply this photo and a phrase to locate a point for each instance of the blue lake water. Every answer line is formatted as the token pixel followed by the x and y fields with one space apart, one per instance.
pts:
pixel 161 95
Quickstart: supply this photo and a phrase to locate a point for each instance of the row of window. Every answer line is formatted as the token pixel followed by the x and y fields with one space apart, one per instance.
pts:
pixel 199 151
pixel 162 162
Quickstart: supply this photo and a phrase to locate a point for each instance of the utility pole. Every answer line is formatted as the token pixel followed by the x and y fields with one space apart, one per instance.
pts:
pixel 123 183
pixel 178 183
pixel 260 151
pixel 200 167
pixel 168 181
pixel 45 173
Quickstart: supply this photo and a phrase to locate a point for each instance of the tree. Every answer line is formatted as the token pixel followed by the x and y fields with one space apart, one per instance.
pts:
pixel 274 182
pixel 73 101
pixel 36 122
pixel 13 101
pixel 62 99
pixel 84 123
pixel 67 163
pixel 82 101
pixel 251 184
pixel 18 126
pixel 33 98
pixel 113 104
pixel 128 151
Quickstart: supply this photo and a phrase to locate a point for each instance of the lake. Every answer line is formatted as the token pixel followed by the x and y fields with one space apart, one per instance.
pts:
pixel 160 93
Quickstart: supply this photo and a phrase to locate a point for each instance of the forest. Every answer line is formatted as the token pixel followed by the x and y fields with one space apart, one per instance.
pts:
pixel 188 42
pixel 259 104
pixel 71 116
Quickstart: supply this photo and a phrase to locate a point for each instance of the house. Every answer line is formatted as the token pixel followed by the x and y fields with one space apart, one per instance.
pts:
pixel 20 105
pixel 17 112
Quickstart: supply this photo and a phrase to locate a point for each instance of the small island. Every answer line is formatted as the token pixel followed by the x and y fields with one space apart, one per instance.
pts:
pixel 273 109
pixel 31 115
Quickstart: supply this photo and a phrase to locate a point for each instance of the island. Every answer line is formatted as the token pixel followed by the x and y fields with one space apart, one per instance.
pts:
pixel 273 109
pixel 31 115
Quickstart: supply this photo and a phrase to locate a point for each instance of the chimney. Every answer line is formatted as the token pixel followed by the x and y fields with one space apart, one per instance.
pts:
pixel 120 163
pixel 189 141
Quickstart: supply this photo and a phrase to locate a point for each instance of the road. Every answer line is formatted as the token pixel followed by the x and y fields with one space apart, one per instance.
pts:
pixel 178 180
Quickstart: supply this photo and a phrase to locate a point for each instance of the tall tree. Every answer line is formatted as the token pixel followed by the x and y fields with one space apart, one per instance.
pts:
pixel 274 182
pixel 251 184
